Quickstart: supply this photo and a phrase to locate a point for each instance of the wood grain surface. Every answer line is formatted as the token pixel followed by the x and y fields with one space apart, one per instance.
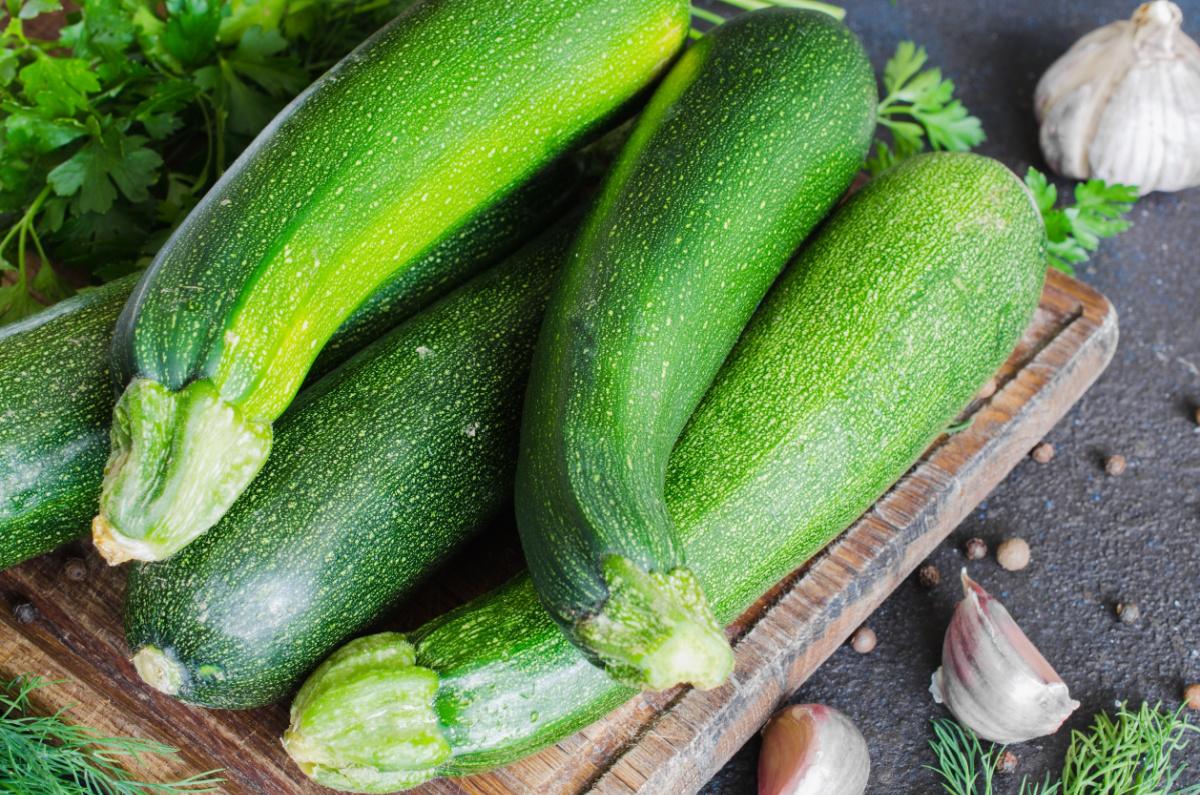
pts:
pixel 664 743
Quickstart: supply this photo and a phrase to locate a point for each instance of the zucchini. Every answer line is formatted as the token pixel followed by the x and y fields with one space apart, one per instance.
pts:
pixel 58 397
pixel 430 121
pixel 903 304
pixel 749 140
pixel 383 469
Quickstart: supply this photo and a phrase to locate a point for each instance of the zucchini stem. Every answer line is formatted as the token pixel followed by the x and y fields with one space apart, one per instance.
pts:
pixel 656 630
pixel 159 670
pixel 373 681
pixel 191 457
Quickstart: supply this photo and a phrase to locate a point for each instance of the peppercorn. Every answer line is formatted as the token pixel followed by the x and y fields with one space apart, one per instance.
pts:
pixel 929 576
pixel 1006 763
pixel 976 549
pixel 1114 465
pixel 988 389
pixel 1128 612
pixel 1043 453
pixel 1191 696
pixel 75 569
pixel 25 613
pixel 863 640
pixel 1013 554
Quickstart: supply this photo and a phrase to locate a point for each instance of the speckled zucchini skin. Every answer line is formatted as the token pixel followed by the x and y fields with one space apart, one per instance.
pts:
pixel 441 113
pixel 56 395
pixel 434 118
pixel 903 304
pixel 382 469
pixel 56 401
pixel 747 143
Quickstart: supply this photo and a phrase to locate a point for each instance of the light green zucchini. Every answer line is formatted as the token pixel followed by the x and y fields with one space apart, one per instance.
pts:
pixel 749 140
pixel 428 123
pixel 900 307
pixel 57 394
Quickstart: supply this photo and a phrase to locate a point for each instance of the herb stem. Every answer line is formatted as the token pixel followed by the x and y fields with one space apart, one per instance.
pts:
pixel 707 16
pixel 19 229
pixel 837 12
pixel 209 133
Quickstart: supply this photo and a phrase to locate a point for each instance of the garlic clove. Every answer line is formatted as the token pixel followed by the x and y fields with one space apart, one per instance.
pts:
pixel 811 749
pixel 993 679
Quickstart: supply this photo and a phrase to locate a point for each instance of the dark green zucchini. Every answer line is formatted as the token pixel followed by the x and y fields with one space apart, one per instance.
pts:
pixel 56 401
pixel 57 394
pixel 903 304
pixel 434 119
pixel 382 469
pixel 749 140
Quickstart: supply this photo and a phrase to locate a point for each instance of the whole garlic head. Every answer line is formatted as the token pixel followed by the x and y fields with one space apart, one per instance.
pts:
pixel 1123 104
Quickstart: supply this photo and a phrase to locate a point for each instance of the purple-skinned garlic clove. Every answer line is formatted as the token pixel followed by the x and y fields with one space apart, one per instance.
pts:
pixel 993 679
pixel 811 749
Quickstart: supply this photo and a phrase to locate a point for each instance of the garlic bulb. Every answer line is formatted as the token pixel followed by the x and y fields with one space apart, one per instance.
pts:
pixel 1123 104
pixel 811 749
pixel 993 680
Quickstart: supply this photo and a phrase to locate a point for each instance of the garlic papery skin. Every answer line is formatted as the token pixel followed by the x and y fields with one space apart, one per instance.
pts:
pixel 811 749
pixel 993 680
pixel 1123 104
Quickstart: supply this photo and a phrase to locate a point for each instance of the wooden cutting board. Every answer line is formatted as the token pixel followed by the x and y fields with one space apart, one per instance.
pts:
pixel 665 743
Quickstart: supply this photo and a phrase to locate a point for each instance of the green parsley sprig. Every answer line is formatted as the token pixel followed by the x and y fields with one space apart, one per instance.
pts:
pixel 46 755
pixel 1129 754
pixel 920 111
pixel 114 126
pixel 1074 232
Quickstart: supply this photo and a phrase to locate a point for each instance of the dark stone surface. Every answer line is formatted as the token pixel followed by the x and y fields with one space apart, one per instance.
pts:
pixel 1096 539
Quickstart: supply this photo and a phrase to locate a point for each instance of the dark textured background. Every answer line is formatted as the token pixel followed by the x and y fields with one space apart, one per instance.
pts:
pixel 1096 539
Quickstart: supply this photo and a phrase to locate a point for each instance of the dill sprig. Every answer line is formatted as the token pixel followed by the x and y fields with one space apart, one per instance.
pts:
pixel 961 759
pixel 1129 754
pixel 46 755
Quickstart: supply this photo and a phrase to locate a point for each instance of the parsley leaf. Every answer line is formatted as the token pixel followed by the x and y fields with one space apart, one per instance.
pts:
pixel 255 58
pixel 16 302
pixel 1074 232
pixel 191 31
pixel 30 131
pixel 106 29
pixel 246 15
pixel 33 8
pixel 8 67
pixel 60 86
pixel 919 106
pixel 255 81
pixel 111 159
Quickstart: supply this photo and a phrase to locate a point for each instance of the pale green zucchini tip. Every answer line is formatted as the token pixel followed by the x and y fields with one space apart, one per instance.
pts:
pixel 656 630
pixel 377 674
pixel 162 487
pixel 159 670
